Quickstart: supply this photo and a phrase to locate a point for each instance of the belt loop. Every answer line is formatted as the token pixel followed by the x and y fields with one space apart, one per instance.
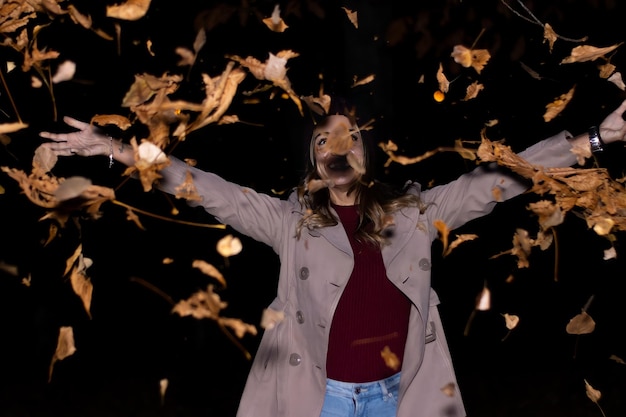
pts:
pixel 383 387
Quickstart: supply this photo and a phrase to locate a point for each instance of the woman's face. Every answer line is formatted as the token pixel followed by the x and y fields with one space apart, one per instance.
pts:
pixel 338 151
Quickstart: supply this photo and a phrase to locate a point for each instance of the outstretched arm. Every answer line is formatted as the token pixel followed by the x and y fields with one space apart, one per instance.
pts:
pixel 612 129
pixel 87 141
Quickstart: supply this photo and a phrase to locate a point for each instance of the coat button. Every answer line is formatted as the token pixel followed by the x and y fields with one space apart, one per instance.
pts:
pixel 424 264
pixel 294 359
pixel 299 317
pixel 304 272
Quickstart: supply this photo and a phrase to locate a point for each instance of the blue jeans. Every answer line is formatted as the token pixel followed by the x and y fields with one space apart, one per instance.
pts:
pixel 369 399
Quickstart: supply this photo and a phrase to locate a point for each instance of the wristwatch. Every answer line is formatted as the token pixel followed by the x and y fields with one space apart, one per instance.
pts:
pixel 595 141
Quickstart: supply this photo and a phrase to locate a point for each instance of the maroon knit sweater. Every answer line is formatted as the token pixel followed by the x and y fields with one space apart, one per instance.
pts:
pixel 372 314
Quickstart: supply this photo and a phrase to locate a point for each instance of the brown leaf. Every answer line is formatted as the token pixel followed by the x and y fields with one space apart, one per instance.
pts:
pixel 592 393
pixel 475 58
pixel 112 119
pixel 459 239
pixel 201 304
pixel 129 10
pixel 444 84
pixel 584 53
pixel 365 80
pixel 558 105
pixel 79 18
pixel 187 190
pixel 275 23
pixel 83 287
pixel 581 324
pixel 472 90
pixel 549 35
pixel 65 347
pixel 511 321
pixel 352 16
pixel 208 269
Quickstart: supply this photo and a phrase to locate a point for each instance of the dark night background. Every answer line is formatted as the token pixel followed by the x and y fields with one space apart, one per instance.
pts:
pixel 131 341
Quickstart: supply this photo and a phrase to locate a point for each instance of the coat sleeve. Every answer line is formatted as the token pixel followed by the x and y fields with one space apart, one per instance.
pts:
pixel 473 195
pixel 259 216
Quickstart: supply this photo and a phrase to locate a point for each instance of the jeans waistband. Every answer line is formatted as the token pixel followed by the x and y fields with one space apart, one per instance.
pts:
pixel 363 389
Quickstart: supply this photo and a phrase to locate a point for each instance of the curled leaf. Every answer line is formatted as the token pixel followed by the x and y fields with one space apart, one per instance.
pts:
pixel 581 324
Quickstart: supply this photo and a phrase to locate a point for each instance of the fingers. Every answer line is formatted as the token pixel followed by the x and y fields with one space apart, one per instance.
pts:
pixel 621 109
pixel 59 149
pixel 70 121
pixel 54 136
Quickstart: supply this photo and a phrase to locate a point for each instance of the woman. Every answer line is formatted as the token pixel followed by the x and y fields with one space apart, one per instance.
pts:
pixel 361 334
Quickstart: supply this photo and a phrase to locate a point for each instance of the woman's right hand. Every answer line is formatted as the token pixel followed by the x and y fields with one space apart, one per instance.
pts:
pixel 86 141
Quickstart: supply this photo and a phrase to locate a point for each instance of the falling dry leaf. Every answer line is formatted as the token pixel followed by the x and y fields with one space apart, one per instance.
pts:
pixel 475 58
pixel 584 53
pixel 510 321
pixel 444 84
pixel 391 359
pixel 472 90
pixel 229 246
pixel 121 122
pixel 606 70
pixel 352 16
pixel 128 10
pixel 363 81
pixel 163 384
pixel 581 324
pixel 459 239
pixel 558 105
pixel 592 393
pixel 275 23
pixel 65 347
pixel 549 35
pixel 208 269
pixel 483 301
pixel 149 160
pixel 187 190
